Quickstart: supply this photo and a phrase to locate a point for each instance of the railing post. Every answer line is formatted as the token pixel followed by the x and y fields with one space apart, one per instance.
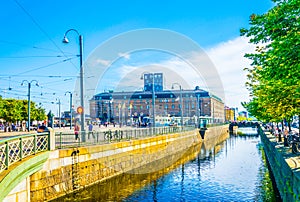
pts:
pixel 21 149
pixel 109 136
pixel 34 144
pixel 49 141
pixel 6 155
pixel 60 140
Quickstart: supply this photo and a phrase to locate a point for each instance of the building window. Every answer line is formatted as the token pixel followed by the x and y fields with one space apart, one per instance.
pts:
pixel 173 106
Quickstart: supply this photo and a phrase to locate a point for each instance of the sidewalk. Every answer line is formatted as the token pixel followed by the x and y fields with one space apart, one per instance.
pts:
pixel 4 135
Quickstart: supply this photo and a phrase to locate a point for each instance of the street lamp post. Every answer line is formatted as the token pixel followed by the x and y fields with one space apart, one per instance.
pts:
pixel 29 86
pixel 119 108
pixel 65 40
pixel 198 111
pixel 181 105
pixel 71 116
pixel 59 113
pixel 153 96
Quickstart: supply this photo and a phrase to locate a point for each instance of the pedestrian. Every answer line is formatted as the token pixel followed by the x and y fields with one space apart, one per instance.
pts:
pixel 90 130
pixel 76 131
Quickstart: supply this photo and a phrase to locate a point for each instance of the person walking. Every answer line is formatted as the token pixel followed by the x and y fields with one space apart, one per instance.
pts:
pixel 76 131
pixel 90 130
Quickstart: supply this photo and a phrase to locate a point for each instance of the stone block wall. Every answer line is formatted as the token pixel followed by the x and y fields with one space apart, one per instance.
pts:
pixel 287 177
pixel 65 172
pixel 20 192
pixel 61 174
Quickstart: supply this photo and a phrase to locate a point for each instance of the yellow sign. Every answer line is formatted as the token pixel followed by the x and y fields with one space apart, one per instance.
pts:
pixel 79 110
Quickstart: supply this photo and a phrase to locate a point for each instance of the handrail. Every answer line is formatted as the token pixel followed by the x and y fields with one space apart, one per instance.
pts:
pixel 67 140
pixel 17 148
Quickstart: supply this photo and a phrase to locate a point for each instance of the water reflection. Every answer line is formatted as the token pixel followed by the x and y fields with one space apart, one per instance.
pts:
pixel 217 170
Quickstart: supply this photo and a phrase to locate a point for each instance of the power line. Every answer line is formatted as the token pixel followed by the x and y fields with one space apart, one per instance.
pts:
pixel 42 30
pixel 29 46
pixel 2 76
pixel 44 66
pixel 33 56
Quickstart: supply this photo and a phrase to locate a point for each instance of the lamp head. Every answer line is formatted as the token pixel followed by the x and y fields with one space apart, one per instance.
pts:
pixel 65 40
pixel 142 77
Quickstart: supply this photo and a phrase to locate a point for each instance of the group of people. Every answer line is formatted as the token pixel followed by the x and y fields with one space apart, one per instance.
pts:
pixel 77 129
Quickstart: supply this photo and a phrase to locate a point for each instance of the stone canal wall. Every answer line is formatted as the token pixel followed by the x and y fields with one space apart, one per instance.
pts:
pixel 69 170
pixel 285 167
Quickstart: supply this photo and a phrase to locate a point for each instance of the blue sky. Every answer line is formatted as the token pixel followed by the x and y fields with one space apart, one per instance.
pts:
pixel 32 31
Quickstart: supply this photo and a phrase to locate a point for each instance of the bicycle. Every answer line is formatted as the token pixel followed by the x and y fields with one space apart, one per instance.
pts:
pixel 294 141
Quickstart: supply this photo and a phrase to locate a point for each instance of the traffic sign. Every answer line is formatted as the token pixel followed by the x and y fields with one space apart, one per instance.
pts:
pixel 79 110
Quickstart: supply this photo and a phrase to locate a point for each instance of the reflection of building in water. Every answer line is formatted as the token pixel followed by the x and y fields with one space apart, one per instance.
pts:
pixel 213 145
pixel 127 107
pixel 121 186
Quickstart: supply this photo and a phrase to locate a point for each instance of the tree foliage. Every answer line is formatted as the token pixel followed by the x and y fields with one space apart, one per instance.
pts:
pixel 12 110
pixel 274 75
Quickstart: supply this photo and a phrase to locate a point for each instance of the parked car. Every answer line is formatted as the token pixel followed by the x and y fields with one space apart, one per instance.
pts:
pixel 42 129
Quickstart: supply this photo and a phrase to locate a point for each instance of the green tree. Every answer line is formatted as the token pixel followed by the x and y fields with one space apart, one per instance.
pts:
pixel 274 75
pixel 12 110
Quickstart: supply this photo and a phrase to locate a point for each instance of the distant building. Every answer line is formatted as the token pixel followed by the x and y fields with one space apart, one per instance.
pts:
pixel 126 107
pixel 158 82
pixel 243 114
pixel 230 114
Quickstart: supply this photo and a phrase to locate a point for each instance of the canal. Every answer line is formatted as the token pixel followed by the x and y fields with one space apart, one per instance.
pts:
pixel 232 170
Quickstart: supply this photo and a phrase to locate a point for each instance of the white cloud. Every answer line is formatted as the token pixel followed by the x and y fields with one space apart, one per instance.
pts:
pixel 228 57
pixel 124 55
pixel 103 62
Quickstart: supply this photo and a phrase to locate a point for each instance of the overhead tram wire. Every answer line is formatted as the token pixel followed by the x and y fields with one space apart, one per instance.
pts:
pixel 50 76
pixel 34 47
pixel 43 31
pixel 43 66
pixel 33 56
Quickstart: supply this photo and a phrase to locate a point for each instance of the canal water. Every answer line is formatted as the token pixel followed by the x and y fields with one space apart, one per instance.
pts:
pixel 232 170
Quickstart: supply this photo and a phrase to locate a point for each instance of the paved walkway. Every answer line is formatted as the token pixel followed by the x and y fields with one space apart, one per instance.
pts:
pixel 293 160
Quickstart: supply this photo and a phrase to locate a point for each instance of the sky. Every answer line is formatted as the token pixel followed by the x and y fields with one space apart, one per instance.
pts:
pixel 32 48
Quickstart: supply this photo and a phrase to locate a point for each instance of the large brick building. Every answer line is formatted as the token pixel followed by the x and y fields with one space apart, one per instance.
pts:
pixel 127 107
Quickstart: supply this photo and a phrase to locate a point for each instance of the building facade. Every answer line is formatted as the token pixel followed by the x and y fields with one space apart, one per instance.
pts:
pixel 153 79
pixel 129 107
pixel 230 114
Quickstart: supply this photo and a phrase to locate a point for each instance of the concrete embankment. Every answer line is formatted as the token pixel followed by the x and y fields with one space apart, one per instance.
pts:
pixel 69 170
pixel 285 167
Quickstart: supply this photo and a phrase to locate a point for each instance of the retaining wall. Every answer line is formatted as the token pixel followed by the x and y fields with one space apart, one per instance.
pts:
pixel 285 167
pixel 69 170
